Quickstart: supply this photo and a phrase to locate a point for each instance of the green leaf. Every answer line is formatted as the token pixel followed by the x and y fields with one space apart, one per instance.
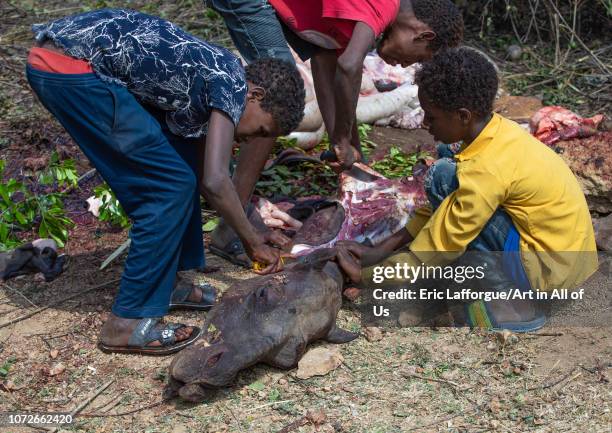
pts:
pixel 211 225
pixel 20 218
pixel 257 386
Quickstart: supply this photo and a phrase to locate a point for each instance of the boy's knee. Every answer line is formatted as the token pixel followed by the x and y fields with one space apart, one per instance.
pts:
pixel 441 179
pixel 443 171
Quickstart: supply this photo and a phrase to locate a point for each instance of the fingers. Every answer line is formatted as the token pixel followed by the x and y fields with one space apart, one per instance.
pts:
pixel 353 247
pixel 272 268
pixel 349 264
pixel 273 222
pixel 279 239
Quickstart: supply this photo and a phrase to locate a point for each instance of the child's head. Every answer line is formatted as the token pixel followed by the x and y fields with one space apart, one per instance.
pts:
pixel 456 91
pixel 421 29
pixel 275 100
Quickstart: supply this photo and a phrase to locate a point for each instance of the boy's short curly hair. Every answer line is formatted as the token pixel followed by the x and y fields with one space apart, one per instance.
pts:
pixel 444 18
pixel 459 78
pixel 285 92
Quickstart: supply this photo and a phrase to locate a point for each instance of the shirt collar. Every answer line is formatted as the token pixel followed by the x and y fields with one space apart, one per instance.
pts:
pixel 480 142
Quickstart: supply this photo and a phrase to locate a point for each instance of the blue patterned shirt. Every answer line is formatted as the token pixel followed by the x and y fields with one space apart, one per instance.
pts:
pixel 159 63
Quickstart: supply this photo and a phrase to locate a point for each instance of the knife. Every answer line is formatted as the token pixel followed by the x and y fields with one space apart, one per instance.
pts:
pixel 354 171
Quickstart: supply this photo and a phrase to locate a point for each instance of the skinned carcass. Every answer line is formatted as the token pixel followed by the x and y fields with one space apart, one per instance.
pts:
pixel 388 96
pixel 370 208
pixel 269 319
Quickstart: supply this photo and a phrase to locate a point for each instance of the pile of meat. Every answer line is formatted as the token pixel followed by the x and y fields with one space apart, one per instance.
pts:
pixel 553 123
pixel 584 144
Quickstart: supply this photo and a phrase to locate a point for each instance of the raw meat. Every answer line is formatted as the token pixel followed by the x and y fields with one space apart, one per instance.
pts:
pixel 368 210
pixel 552 124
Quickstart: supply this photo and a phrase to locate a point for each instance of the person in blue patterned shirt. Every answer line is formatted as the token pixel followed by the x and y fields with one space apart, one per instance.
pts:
pixel 156 110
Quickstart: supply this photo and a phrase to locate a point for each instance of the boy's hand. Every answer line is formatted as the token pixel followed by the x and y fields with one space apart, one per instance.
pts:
pixel 367 256
pixel 267 256
pixel 275 237
pixel 346 156
pixel 349 263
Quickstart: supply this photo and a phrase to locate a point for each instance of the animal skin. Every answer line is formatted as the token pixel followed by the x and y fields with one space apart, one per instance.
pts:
pixel 269 319
pixel 368 210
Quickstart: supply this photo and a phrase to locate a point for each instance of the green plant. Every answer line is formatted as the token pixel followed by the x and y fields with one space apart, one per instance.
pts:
pixel 21 210
pixel 63 172
pixel 299 181
pixel 111 210
pixel 396 163
pixel 6 366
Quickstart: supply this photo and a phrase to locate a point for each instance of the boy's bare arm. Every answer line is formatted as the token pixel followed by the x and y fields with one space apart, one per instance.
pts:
pixel 337 83
pixel 371 255
pixel 217 187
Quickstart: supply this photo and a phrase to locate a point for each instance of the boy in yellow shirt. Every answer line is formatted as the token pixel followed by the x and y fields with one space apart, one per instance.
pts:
pixel 503 191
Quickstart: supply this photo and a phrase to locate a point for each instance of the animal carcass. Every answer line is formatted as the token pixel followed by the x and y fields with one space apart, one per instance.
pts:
pixel 269 319
pixel 370 208
pixel 388 96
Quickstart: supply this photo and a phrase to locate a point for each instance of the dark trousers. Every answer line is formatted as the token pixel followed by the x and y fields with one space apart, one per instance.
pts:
pixel 151 171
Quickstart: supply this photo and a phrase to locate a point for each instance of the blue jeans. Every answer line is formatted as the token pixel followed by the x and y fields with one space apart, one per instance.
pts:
pixel 152 172
pixel 254 28
pixel 441 181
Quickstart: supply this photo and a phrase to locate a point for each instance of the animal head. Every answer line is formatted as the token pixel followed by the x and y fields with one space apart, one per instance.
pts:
pixel 196 371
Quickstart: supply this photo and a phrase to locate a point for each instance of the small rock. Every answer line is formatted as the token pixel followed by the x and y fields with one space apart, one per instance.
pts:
pixel 53 354
pixel 319 361
pixel 317 417
pixel 282 382
pixel 409 370
pixel 409 318
pixel 372 333
pixel 514 52
pixel 58 368
pixel 492 346
pixel 506 337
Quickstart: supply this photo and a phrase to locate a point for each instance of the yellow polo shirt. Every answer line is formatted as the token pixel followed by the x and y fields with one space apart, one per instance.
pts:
pixel 508 167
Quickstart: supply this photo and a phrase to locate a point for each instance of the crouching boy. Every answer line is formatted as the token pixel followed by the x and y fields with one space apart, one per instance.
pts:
pixel 502 191
pixel 156 110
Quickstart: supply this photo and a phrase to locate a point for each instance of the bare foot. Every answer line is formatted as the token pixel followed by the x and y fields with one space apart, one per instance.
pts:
pixel 196 293
pixel 116 331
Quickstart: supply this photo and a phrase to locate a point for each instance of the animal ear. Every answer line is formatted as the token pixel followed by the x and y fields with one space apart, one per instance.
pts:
pixel 339 335
pixel 212 361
